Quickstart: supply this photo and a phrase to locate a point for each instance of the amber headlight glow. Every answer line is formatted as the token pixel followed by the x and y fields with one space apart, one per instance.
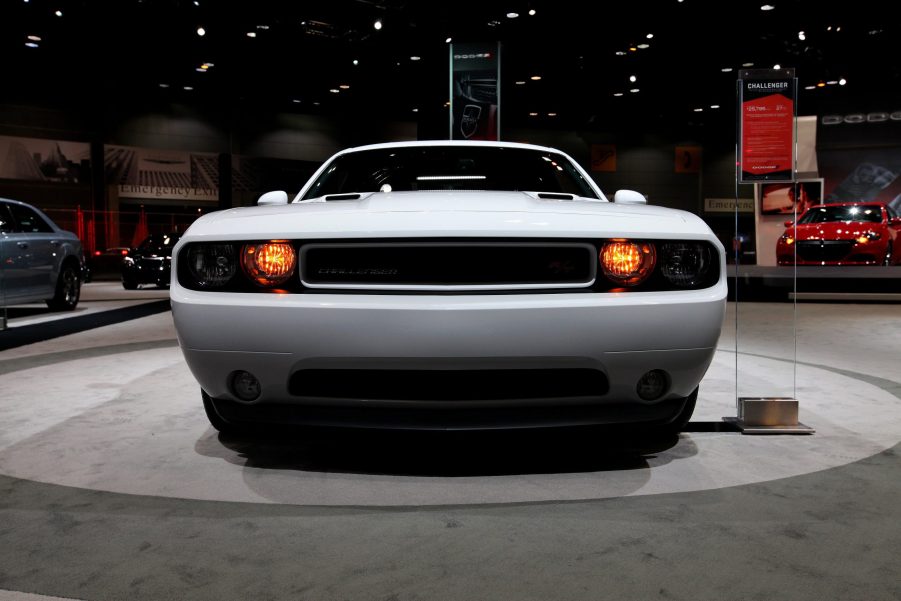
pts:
pixel 628 263
pixel 268 263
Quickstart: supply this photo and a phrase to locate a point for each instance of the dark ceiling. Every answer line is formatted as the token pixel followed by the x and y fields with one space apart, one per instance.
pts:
pixel 110 54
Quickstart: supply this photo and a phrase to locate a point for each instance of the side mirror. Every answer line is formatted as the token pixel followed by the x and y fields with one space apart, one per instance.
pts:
pixel 277 197
pixel 629 197
pixel 789 223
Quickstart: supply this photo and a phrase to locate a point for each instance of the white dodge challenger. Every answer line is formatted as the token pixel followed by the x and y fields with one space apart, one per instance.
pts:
pixel 449 285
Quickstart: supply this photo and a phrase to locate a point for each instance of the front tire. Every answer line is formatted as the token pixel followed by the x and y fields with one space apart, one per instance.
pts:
pixel 888 255
pixel 68 289
pixel 129 282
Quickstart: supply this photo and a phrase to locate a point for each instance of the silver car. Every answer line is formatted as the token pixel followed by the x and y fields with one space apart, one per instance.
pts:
pixel 38 260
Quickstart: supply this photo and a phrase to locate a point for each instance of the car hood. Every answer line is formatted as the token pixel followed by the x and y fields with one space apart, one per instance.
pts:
pixel 450 214
pixel 840 230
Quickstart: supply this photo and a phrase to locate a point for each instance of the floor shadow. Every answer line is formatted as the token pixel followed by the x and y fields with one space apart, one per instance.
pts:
pixel 443 453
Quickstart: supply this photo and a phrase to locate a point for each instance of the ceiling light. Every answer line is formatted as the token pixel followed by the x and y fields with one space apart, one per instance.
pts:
pixel 650 36
pixel 448 40
pixel 618 94
pixel 334 90
pixel 533 114
pixel 316 103
pixel 633 79
pixel 842 81
pixel 839 28
pixel 205 66
pixel 810 87
pixel 263 27
pixel 832 82
pixel 620 53
pixel 632 48
pixel 31 44
pixel 58 13
pixel 714 106
pixel 535 78
pixel 821 84
pixel 512 15
pixel 644 46
pixel 777 66
pixel 201 31
pixel 552 114
pixel 415 110
pixel 164 85
pixel 634 90
pixel 726 69
pixel 251 34
pixel 531 12
pixel 829 28
pixel 356 62
pixel 200 70
pixel 747 64
pixel 520 83
pixel 377 25
pixel 767 7
pixel 34 38
pixel 209 64
pixel 344 86
pixel 188 88
pixel 415 58
pixel 196 3
pixel 699 110
pixel 296 101
pixel 801 35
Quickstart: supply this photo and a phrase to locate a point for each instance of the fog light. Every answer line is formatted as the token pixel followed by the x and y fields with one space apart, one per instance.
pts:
pixel 652 385
pixel 245 386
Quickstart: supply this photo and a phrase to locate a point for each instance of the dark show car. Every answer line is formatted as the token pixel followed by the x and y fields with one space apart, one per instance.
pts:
pixel 849 233
pixel 38 260
pixel 150 262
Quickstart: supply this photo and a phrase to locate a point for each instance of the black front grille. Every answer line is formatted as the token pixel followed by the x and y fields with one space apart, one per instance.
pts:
pixel 447 385
pixel 448 264
pixel 824 250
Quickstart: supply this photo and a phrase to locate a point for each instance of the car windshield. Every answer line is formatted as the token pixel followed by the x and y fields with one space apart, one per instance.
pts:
pixel 158 243
pixel 861 213
pixel 429 168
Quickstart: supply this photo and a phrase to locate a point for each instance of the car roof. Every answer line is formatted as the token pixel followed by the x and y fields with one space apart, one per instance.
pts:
pixel 850 203
pixel 469 143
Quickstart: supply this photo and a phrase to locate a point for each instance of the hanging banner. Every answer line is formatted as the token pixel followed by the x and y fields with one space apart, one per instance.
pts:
pixel 766 119
pixel 475 91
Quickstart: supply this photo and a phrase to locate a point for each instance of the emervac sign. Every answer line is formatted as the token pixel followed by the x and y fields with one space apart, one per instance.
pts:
pixel 767 125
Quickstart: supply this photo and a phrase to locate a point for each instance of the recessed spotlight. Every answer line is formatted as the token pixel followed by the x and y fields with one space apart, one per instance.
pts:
pixel 810 87
pixel 633 49
pixel 200 70
pixel 747 64
pixel 777 66
pixel 832 82
pixel 552 114
pixel 512 15
pixel 334 90
pixel 296 101
pixel 699 110
pixel 251 34
pixel 263 27
pixel 164 85
pixel 316 103
pixel 533 114
pixel 415 110
pixel 208 65
pixel 34 38
pixel 31 44
pixel 714 106
pixel 520 83
pixel 643 46
pixel 531 12
pixel 842 81
pixel 617 93
pixel 377 25
pixel 634 90
pixel 767 7
pixel 204 66
pixel 801 36
pixel 535 78
pixel 839 28
pixel 448 40
pixel 201 31
pixel 821 84
pixel 633 79
pixel 829 28
pixel 196 2
pixel 726 69
pixel 356 62
pixel 344 86
pixel 620 53
pixel 188 88
pixel 415 58
pixel 58 13
pixel 650 36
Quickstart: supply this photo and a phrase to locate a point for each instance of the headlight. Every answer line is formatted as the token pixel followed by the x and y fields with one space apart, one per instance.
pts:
pixel 627 263
pixel 211 265
pixel 269 263
pixel 684 264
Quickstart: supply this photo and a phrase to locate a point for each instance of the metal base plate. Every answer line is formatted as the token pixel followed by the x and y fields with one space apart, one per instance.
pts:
pixel 798 428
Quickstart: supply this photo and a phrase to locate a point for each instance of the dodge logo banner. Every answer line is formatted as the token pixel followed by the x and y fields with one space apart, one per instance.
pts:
pixel 767 125
pixel 475 95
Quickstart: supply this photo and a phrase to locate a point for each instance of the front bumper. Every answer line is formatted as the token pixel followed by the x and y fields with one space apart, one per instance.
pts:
pixel 621 335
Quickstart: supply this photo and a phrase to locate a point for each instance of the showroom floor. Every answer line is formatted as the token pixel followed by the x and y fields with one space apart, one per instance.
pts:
pixel 115 487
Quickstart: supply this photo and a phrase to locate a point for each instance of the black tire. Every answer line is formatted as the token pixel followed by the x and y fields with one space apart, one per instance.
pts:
pixel 129 283
pixel 68 289
pixel 888 255
pixel 217 421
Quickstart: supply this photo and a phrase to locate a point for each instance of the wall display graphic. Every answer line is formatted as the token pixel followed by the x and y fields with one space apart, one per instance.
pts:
pixel 767 129
pixel 34 159
pixel 163 174
pixel 688 159
pixel 788 198
pixel 475 91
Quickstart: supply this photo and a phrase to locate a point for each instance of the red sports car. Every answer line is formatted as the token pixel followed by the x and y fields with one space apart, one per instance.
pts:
pixel 848 233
